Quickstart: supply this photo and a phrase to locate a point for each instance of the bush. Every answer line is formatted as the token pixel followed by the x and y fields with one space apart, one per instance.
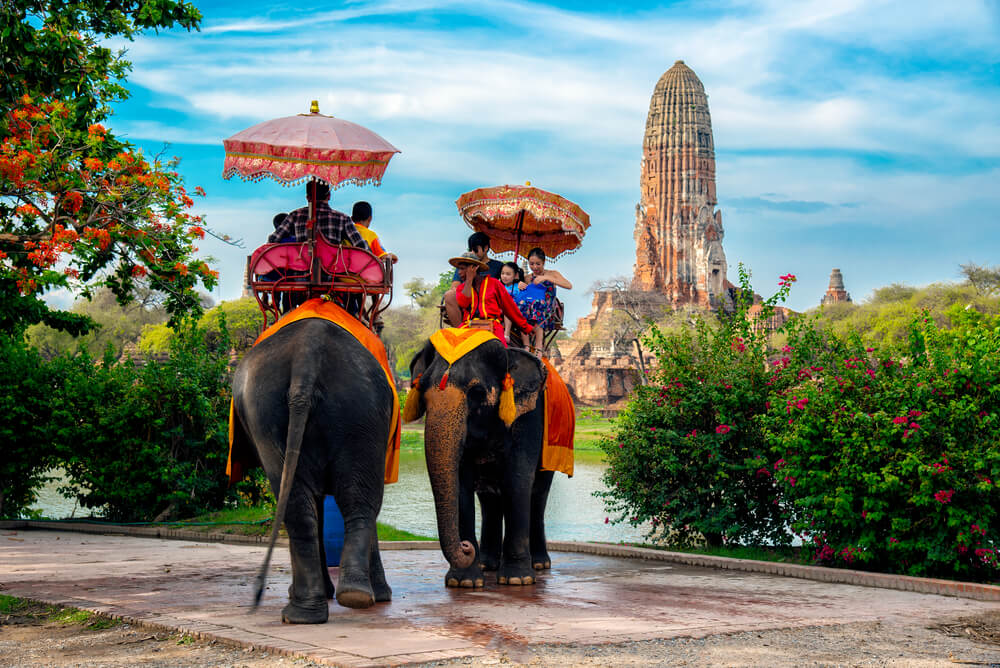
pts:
pixel 887 457
pixel 26 398
pixel 150 442
pixel 882 456
pixel 686 451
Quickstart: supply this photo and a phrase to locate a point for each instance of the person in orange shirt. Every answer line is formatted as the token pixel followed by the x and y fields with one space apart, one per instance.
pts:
pixel 361 214
pixel 483 299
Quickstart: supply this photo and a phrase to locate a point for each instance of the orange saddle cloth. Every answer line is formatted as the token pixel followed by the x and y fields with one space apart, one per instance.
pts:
pixel 239 462
pixel 560 424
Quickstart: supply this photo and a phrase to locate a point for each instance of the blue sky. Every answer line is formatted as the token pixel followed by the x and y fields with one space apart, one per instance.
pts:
pixel 863 135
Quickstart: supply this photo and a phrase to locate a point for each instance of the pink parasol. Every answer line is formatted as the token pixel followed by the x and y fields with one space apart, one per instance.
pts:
pixel 308 146
pixel 523 216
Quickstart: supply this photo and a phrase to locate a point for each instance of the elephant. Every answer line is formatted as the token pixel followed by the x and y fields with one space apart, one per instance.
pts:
pixel 470 449
pixel 316 407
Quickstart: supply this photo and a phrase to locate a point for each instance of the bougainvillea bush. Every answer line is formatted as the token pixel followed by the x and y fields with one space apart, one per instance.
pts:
pixel 687 452
pixel 883 458
pixel 889 458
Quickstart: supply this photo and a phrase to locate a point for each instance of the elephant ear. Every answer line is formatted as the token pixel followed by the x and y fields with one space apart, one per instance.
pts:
pixel 414 406
pixel 528 375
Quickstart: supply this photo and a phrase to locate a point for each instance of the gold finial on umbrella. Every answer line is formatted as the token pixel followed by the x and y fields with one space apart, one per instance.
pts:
pixel 314 107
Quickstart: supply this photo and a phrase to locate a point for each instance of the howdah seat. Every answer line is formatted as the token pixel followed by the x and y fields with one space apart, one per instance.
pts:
pixel 286 274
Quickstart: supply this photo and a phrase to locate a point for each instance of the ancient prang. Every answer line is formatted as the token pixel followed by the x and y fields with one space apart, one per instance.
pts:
pixel 679 264
pixel 836 292
pixel 678 231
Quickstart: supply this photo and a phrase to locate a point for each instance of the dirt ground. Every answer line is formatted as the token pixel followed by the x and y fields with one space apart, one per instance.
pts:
pixel 30 638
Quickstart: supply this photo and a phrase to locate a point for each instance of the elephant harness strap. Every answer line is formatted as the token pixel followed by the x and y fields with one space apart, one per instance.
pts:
pixel 321 308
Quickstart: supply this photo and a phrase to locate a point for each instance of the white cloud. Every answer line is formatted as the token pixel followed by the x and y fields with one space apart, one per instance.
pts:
pixel 559 97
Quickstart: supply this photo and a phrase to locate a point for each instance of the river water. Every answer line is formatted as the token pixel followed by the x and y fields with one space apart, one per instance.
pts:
pixel 572 513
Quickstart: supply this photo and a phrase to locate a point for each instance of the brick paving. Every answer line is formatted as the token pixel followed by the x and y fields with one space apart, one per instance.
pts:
pixel 204 588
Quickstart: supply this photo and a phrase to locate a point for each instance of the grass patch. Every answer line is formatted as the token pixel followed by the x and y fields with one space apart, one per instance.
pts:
pixel 412 439
pixel 386 532
pixel 589 432
pixel 11 605
pixel 225 521
pixel 45 613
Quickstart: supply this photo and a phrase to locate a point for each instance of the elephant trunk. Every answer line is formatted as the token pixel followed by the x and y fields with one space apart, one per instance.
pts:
pixel 443 436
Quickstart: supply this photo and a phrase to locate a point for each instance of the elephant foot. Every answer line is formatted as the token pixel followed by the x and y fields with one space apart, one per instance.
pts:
pixel 328 587
pixel 489 563
pixel 541 562
pixel 355 592
pixel 355 598
pixel 468 578
pixel 313 612
pixel 510 574
pixel 383 592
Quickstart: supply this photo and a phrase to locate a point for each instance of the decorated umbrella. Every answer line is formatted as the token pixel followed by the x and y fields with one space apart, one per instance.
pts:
pixel 309 146
pixel 513 216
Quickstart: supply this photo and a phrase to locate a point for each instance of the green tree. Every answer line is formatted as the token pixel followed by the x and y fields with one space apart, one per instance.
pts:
pixel 243 323
pixel 79 208
pixel 117 325
pixel 986 280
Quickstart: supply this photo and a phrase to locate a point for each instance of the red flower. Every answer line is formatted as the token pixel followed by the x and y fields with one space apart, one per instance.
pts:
pixel 944 496
pixel 722 429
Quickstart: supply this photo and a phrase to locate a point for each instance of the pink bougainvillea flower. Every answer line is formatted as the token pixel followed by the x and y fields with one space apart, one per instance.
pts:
pixel 944 496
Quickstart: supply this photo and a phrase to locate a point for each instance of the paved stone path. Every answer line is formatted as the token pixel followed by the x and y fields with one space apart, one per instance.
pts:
pixel 205 589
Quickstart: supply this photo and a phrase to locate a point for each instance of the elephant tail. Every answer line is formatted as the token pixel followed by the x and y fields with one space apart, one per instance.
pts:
pixel 299 403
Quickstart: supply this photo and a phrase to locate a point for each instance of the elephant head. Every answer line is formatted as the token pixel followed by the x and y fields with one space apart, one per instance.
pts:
pixel 462 402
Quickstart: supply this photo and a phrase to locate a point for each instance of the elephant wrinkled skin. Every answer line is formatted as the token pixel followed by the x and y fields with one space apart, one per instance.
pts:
pixel 316 406
pixel 471 451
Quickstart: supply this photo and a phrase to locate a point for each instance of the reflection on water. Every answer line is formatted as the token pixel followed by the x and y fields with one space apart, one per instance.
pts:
pixel 573 512
pixel 51 503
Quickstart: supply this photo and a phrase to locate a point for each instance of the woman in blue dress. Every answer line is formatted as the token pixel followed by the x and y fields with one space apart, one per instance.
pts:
pixel 542 309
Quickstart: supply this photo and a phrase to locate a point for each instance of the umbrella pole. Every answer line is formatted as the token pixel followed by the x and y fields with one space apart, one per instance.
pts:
pixel 520 227
pixel 314 263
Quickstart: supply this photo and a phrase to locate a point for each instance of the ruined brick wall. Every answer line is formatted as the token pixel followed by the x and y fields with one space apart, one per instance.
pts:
pixel 678 232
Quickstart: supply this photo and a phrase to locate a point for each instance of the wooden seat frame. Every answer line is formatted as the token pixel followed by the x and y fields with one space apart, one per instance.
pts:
pixel 315 268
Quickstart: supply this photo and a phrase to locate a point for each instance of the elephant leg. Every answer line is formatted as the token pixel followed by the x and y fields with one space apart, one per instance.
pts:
pixel 308 602
pixel 354 589
pixel 472 576
pixel 515 569
pixel 383 592
pixel 540 559
pixel 492 531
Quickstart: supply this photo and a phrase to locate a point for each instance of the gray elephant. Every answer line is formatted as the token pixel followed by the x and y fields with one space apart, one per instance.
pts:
pixel 316 407
pixel 470 449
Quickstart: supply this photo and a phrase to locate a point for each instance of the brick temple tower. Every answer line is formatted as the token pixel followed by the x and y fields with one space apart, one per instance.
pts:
pixel 678 232
pixel 836 292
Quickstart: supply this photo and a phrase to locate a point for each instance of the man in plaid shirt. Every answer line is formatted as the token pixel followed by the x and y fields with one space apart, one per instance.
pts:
pixel 336 227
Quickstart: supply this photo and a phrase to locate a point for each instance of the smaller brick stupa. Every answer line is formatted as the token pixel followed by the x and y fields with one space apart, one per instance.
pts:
pixel 836 292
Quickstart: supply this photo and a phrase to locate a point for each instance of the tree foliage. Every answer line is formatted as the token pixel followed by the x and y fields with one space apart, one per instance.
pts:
pixel 116 325
pixel 79 208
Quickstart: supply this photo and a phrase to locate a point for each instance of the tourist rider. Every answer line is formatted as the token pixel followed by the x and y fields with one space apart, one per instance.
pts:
pixel 542 312
pixel 479 244
pixel 333 225
pixel 361 216
pixel 511 276
pixel 483 300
